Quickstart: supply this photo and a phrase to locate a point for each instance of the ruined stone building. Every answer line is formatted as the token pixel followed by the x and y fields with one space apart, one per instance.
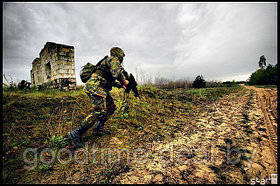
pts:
pixel 55 68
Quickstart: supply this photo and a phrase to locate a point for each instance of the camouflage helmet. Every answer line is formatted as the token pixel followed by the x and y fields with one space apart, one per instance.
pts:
pixel 118 52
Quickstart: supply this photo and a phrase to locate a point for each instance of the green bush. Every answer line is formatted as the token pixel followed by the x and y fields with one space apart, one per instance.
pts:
pixel 199 82
pixel 264 76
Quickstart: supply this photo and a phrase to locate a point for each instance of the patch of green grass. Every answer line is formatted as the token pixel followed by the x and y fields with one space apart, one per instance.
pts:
pixel 265 86
pixel 58 142
pixel 22 143
pixel 213 93
pixel 32 93
pixel 202 92
pixel 44 167
pixel 44 116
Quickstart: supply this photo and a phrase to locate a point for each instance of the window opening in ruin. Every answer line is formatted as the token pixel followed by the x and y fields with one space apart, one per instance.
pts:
pixel 48 69
pixel 68 54
pixel 33 77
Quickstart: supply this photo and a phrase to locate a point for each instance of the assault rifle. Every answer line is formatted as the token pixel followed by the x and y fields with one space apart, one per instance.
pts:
pixel 132 85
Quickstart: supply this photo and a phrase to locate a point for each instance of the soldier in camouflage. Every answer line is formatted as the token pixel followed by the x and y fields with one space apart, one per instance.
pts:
pixel 108 73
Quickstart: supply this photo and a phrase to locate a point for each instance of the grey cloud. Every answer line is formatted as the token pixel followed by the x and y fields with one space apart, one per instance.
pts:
pixel 217 40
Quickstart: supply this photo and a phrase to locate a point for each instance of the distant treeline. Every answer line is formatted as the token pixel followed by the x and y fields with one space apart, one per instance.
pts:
pixel 199 82
pixel 264 76
pixel 237 82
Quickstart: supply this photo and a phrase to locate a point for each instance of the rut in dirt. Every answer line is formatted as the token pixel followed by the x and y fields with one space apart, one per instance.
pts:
pixel 267 101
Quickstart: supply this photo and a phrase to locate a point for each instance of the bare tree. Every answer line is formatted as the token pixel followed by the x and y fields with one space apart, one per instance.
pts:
pixel 262 62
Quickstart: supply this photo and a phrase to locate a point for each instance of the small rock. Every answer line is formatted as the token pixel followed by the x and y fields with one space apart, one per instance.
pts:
pixel 147 178
pixel 182 168
pixel 133 179
pixel 116 141
pixel 255 170
pixel 158 178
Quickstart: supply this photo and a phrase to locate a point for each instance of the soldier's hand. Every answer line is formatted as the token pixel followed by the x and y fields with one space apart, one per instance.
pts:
pixel 126 82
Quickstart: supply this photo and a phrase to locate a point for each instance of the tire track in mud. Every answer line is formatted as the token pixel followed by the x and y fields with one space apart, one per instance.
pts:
pixel 267 100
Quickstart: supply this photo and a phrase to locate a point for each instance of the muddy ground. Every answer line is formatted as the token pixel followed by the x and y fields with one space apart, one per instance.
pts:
pixel 242 124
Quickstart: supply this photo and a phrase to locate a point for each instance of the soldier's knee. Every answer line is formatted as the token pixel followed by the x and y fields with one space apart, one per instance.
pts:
pixel 101 114
pixel 111 107
pixel 89 120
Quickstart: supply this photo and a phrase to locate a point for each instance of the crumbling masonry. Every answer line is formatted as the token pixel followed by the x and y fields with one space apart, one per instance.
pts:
pixel 55 68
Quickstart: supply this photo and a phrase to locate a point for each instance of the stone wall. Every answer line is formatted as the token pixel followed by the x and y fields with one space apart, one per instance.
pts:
pixel 55 67
pixel 63 84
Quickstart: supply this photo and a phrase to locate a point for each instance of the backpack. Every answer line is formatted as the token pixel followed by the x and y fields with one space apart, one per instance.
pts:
pixel 89 69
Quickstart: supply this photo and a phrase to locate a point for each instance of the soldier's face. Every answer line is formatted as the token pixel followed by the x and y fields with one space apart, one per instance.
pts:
pixel 121 59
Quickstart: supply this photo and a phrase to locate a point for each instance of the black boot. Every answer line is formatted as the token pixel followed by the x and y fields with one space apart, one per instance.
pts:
pixel 76 135
pixel 98 129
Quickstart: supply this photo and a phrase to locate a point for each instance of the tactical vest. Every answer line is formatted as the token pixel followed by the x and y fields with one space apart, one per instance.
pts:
pixel 103 70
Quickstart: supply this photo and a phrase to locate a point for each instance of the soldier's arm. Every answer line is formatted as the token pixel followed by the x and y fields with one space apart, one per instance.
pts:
pixel 117 84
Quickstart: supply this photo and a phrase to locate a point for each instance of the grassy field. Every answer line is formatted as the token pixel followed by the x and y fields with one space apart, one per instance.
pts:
pixel 264 86
pixel 34 119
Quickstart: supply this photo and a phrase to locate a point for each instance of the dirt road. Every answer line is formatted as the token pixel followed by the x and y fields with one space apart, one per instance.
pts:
pixel 230 141
pixel 267 101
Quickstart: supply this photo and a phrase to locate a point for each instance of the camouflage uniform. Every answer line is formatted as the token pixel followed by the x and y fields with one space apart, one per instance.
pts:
pixel 97 88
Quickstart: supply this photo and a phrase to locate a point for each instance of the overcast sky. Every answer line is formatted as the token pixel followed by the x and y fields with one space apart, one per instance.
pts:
pixel 221 41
